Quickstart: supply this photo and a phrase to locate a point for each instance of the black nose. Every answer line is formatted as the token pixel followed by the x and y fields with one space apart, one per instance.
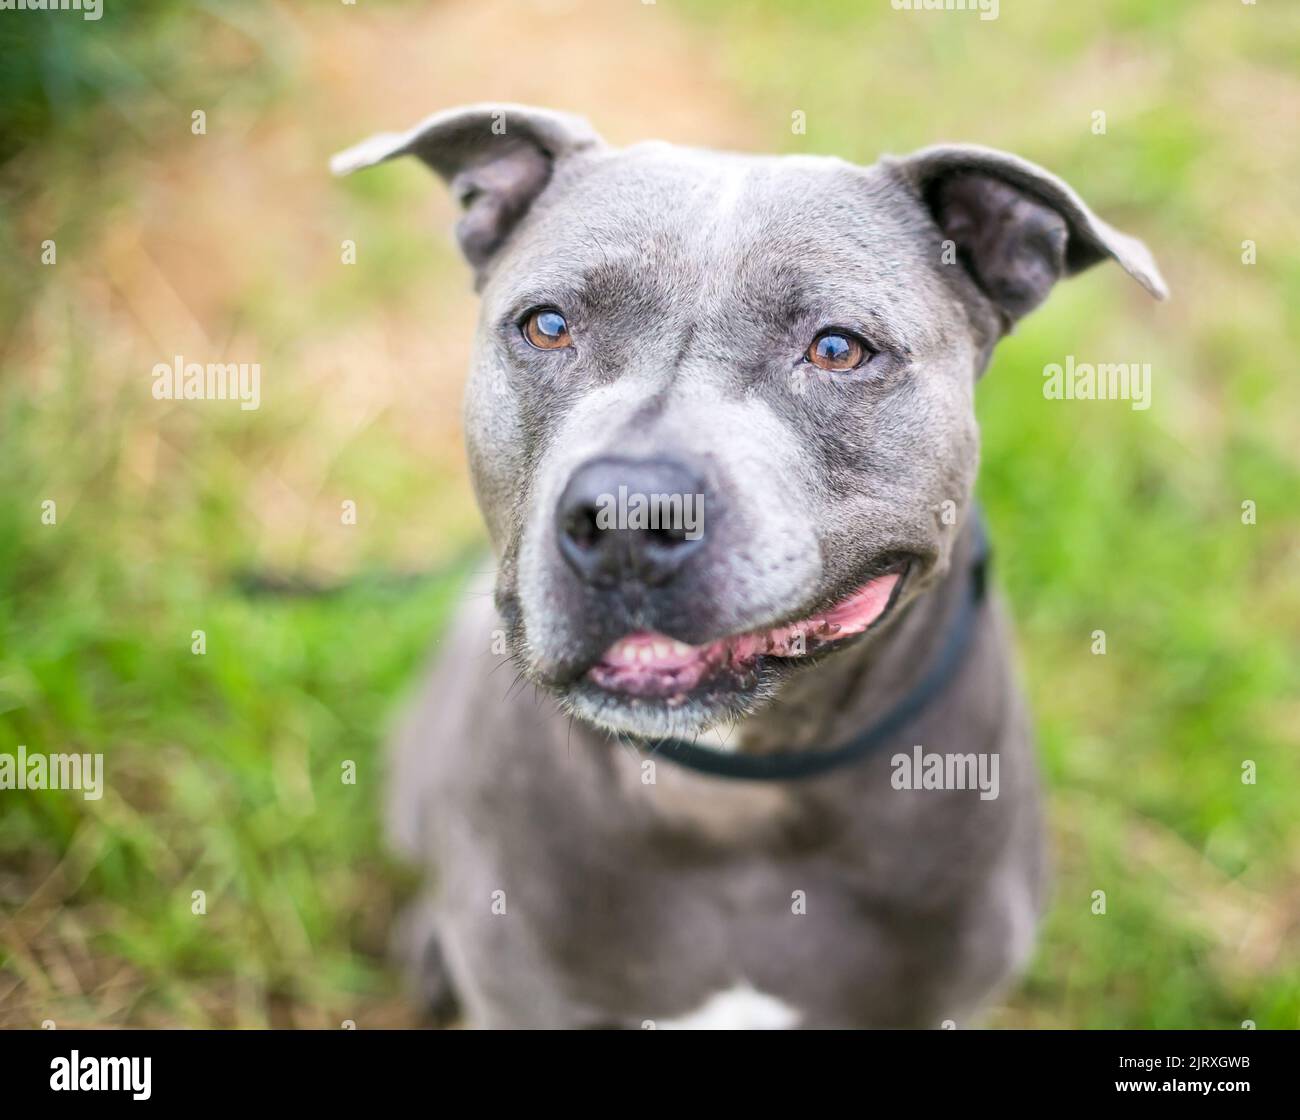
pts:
pixel 627 519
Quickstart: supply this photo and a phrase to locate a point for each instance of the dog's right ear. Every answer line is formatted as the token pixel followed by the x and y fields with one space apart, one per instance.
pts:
pixel 1017 228
pixel 495 158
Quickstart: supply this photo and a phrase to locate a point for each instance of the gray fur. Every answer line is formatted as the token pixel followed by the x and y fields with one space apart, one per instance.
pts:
pixel 693 281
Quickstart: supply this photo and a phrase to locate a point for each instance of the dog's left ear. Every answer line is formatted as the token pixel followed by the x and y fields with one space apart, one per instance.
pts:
pixel 1017 229
pixel 497 159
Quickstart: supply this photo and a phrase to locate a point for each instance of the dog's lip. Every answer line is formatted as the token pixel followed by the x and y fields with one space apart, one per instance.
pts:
pixel 652 665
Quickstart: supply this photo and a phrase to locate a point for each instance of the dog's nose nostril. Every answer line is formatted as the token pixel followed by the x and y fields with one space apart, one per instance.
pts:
pixel 582 526
pixel 666 537
pixel 624 520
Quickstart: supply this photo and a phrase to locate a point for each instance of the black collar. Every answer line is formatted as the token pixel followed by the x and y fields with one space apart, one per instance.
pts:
pixel 806 764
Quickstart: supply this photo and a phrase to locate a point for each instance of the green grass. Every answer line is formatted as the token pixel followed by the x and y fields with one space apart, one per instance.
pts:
pixel 225 768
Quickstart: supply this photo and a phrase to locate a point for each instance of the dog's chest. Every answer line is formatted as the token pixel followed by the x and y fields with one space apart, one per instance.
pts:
pixel 670 939
pixel 634 913
pixel 579 887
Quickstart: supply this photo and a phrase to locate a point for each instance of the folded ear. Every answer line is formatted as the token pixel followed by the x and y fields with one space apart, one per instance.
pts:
pixel 496 158
pixel 1017 228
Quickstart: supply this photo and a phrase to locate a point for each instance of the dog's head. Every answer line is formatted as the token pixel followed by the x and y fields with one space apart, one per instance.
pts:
pixel 721 407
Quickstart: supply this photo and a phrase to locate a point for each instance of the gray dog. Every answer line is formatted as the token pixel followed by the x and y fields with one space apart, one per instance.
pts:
pixel 776 771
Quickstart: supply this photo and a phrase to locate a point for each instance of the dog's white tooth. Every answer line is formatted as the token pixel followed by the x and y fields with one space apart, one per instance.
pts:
pixel 663 650
pixel 681 649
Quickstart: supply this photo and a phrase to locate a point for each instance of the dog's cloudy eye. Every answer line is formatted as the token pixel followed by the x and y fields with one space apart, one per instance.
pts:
pixel 836 351
pixel 546 329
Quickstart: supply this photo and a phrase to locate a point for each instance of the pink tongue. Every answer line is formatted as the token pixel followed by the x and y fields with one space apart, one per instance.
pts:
pixel 849 616
pixel 649 664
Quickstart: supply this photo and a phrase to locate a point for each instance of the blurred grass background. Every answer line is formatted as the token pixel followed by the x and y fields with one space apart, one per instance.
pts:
pixel 224 769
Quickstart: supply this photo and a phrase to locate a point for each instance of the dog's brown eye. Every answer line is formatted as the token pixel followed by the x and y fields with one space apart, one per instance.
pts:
pixel 546 329
pixel 836 351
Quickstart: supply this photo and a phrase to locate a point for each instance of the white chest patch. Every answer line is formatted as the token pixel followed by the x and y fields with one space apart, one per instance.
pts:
pixel 742 1008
